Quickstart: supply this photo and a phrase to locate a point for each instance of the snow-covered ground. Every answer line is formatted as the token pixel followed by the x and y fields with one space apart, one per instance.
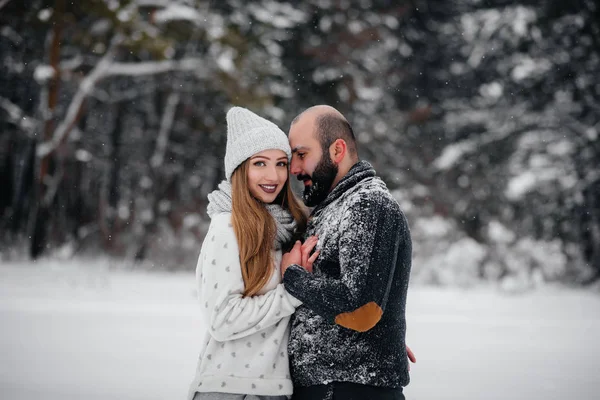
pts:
pixel 70 331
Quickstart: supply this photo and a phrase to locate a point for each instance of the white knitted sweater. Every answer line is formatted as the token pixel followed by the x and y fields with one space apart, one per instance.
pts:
pixel 245 338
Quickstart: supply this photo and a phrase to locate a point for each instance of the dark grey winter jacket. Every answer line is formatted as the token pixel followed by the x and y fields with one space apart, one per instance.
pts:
pixel 351 327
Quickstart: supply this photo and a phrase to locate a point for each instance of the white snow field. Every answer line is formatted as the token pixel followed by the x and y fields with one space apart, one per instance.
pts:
pixel 78 330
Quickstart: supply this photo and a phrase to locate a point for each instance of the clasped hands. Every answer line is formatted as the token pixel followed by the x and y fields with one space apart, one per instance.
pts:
pixel 300 255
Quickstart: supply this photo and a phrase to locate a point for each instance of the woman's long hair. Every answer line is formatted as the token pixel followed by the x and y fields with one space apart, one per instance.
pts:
pixel 255 228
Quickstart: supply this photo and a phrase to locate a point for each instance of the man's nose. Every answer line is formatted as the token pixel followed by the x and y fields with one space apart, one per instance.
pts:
pixel 295 168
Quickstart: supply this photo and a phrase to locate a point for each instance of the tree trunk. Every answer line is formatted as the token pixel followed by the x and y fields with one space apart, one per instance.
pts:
pixel 590 229
pixel 24 188
pixel 7 149
pixel 108 216
pixel 41 210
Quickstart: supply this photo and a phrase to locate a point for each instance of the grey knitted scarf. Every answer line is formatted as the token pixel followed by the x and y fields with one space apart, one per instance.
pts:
pixel 220 201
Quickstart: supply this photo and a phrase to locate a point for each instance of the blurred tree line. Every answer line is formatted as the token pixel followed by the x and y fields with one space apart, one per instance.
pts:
pixel 482 117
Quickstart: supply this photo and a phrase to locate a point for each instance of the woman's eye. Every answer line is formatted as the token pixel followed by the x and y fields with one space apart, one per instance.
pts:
pixel 282 164
pixel 260 164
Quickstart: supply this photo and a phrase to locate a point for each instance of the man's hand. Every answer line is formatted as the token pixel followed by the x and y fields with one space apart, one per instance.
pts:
pixel 293 257
pixel 307 247
pixel 411 356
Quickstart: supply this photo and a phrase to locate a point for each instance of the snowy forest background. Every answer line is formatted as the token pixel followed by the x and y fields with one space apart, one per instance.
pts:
pixel 481 116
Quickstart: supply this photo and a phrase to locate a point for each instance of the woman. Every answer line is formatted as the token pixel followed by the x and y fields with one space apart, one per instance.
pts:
pixel 246 309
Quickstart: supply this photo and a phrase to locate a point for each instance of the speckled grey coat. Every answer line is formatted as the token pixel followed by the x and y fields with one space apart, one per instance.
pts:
pixel 365 258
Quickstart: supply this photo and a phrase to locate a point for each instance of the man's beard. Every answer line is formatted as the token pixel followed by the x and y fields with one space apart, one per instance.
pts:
pixel 322 179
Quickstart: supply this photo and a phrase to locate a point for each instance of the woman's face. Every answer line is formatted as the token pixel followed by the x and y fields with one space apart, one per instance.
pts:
pixel 267 173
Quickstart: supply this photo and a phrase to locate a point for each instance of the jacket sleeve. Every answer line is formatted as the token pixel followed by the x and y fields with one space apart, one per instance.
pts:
pixel 228 314
pixel 371 234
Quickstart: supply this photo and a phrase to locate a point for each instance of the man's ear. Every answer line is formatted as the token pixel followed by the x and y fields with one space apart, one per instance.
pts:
pixel 337 150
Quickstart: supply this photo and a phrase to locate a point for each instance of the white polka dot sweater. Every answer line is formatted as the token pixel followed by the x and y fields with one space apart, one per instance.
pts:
pixel 245 338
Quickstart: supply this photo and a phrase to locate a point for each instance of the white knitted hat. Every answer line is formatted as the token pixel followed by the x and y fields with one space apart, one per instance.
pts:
pixel 248 134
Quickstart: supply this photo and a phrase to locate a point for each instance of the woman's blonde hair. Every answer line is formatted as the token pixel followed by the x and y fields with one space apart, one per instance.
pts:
pixel 255 228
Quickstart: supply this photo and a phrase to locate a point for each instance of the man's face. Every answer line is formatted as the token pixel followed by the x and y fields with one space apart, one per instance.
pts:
pixel 310 164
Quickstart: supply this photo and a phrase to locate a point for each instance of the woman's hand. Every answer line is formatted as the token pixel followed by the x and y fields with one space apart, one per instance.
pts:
pixel 294 256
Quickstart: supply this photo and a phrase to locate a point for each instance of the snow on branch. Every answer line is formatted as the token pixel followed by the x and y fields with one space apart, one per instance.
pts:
pixel 106 68
pixel 11 34
pixel 453 153
pixel 3 3
pixel 178 12
pixel 152 3
pixel 478 28
pixel 165 128
pixel 18 117
pixel 85 88
pixel 497 131
pixel 156 67
pixel 456 152
pixel 279 15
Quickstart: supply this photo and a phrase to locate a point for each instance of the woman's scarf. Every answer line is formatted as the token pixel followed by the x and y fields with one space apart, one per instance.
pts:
pixel 220 201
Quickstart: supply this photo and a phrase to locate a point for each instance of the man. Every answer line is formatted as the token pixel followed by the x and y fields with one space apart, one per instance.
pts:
pixel 347 340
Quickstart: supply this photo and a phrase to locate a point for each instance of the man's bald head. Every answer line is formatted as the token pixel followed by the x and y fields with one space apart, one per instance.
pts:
pixel 318 110
pixel 330 125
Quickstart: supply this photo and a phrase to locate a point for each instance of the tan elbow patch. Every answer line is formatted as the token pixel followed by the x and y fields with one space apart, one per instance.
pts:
pixel 362 319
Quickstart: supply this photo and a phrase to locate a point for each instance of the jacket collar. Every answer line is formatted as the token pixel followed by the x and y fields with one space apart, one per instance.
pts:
pixel 359 171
